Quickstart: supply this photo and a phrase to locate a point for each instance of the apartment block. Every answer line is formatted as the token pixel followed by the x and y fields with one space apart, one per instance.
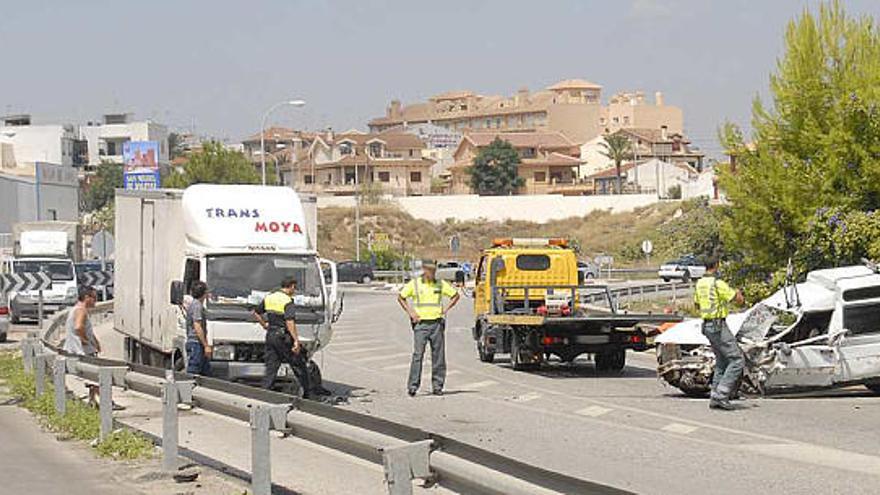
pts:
pixel 548 162
pixel 105 139
pixel 339 164
pixel 572 107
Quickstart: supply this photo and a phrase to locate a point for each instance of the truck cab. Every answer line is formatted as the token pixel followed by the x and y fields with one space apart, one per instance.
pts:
pixel 49 247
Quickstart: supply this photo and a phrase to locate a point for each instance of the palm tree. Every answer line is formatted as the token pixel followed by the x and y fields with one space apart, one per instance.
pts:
pixel 617 149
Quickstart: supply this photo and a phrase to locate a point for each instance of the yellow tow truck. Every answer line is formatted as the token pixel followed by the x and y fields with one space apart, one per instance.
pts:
pixel 531 301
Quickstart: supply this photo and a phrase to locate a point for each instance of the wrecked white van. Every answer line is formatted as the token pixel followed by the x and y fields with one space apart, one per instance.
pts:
pixel 822 333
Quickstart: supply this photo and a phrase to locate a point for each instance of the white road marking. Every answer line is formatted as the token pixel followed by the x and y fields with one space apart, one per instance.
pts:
pixel 680 428
pixel 820 456
pixel 526 397
pixel 355 351
pixel 380 358
pixel 593 411
pixel 478 385
pixel 393 367
pixel 350 343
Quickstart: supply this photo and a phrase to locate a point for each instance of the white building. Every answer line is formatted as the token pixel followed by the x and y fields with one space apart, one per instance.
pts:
pixel 105 139
pixel 23 144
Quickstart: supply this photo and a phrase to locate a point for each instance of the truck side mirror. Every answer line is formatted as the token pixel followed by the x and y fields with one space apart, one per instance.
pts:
pixel 177 292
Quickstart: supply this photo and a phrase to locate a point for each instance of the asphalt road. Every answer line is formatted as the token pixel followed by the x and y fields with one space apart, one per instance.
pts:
pixel 33 462
pixel 628 430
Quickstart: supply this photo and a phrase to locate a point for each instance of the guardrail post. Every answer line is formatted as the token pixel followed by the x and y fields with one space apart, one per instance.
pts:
pixel 107 376
pixel 263 419
pixel 405 463
pixel 173 392
pixel 41 362
pixel 26 354
pixel 59 372
pixel 674 293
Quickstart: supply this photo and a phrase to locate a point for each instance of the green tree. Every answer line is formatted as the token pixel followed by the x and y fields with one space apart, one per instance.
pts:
pixel 175 145
pixel 102 186
pixel 617 148
pixel 817 146
pixel 214 164
pixel 495 169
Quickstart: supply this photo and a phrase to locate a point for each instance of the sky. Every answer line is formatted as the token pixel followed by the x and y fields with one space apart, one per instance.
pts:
pixel 218 65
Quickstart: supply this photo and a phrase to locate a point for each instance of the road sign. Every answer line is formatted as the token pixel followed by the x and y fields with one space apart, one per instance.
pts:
pixel 18 282
pixel 142 181
pixel 93 278
pixel 102 244
pixel 647 246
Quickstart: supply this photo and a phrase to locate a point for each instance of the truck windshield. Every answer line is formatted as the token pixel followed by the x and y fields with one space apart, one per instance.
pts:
pixel 246 279
pixel 57 270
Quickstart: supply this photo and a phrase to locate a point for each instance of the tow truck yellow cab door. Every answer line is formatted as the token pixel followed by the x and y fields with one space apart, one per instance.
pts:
pixel 481 299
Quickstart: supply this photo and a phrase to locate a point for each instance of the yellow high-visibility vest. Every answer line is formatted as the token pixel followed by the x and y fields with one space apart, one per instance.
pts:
pixel 712 297
pixel 427 297
pixel 276 302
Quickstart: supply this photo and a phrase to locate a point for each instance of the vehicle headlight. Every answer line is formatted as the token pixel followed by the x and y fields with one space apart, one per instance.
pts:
pixel 71 292
pixel 224 352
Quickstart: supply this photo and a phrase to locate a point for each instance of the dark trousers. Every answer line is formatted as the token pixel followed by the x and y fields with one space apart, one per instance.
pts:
pixel 424 333
pixel 196 361
pixel 279 349
pixel 729 361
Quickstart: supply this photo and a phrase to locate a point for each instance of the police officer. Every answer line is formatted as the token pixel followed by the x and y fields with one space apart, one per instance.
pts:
pixel 427 314
pixel 277 315
pixel 712 297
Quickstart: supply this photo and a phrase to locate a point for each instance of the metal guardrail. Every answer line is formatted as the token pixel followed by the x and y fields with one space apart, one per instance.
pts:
pixel 405 452
pixel 386 274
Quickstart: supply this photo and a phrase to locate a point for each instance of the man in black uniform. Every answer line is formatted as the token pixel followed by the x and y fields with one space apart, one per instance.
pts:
pixel 277 315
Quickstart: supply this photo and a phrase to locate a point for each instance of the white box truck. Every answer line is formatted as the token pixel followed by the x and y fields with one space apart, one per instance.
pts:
pixel 51 247
pixel 241 240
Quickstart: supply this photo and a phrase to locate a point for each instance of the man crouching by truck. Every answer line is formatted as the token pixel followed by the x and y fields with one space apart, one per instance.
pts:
pixel 277 314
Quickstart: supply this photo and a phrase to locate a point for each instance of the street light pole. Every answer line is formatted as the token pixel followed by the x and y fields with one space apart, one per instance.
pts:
pixel 293 103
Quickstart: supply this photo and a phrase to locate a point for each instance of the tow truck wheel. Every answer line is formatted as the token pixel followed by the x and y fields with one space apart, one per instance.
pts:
pixel 613 361
pixel 485 356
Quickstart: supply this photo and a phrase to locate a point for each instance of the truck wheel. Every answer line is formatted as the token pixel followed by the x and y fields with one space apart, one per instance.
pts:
pixel 613 361
pixel 517 347
pixel 666 280
pixel 485 356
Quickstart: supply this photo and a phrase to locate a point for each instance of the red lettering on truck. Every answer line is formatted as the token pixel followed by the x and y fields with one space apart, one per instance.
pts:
pixel 285 227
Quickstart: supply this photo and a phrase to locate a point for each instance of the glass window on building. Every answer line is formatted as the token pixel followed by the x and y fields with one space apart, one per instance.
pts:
pixel 308 179
pixel 415 176
pixel 540 176
pixel 384 176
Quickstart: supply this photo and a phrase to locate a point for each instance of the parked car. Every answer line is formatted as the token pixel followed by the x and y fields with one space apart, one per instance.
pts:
pixel 685 268
pixel 355 271
pixel 4 317
pixel 451 271
pixel 587 271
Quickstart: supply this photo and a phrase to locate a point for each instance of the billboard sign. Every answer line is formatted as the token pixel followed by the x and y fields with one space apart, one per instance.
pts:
pixel 140 156
pixel 142 180
pixel 140 160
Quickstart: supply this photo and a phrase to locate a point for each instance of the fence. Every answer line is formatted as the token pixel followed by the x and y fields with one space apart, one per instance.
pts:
pixel 405 452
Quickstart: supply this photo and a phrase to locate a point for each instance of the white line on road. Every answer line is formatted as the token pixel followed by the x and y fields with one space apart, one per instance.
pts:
pixel 380 358
pixel 478 385
pixel 593 411
pixel 355 351
pixel 526 397
pixel 350 343
pixel 394 367
pixel 680 428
